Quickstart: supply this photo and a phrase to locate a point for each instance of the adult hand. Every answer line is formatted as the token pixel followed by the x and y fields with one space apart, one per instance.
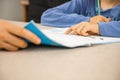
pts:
pixel 98 19
pixel 10 36
pixel 84 29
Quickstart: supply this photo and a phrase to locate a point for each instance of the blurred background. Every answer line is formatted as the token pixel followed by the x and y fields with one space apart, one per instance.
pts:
pixel 26 10
pixel 11 10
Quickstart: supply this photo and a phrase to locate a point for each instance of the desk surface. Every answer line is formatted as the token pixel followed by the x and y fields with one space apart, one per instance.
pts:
pixel 99 62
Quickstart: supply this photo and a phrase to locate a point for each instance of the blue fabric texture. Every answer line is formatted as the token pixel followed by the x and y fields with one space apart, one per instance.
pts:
pixel 76 11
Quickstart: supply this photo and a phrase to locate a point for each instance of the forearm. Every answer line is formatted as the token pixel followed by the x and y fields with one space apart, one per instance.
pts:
pixel 65 15
pixel 60 19
pixel 110 28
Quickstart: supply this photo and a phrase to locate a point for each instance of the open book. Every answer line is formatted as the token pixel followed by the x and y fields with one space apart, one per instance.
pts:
pixel 56 37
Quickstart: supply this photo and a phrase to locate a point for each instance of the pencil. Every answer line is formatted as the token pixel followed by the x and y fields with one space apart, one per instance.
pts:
pixel 99 10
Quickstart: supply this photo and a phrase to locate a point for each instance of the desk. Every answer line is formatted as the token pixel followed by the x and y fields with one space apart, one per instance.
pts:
pixel 99 62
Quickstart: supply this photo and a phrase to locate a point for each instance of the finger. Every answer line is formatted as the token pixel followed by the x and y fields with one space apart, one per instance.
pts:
pixel 75 33
pixel 18 42
pixel 71 29
pixel 74 28
pixel 6 46
pixel 24 33
pixel 84 31
pixel 68 31
pixel 109 19
pixel 81 26
pixel 100 18
pixel 105 19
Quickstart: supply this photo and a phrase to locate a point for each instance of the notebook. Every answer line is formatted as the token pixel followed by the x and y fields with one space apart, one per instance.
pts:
pixel 56 37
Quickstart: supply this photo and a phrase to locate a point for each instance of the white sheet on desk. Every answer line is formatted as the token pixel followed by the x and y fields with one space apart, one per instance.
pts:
pixel 57 35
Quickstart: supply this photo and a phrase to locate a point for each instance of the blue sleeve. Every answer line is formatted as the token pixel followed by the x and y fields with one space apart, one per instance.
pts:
pixel 65 15
pixel 111 29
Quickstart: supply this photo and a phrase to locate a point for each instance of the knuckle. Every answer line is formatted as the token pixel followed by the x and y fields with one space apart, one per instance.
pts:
pixel 3 36
pixel 100 19
pixel 21 31
pixel 73 28
pixel 77 31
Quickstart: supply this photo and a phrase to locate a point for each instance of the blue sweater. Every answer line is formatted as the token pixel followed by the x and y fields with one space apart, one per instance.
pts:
pixel 76 11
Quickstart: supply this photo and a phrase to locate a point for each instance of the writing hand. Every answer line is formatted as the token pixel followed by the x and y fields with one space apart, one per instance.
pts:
pixel 98 19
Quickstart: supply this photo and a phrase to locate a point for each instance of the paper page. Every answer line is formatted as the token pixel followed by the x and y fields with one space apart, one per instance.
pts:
pixel 77 40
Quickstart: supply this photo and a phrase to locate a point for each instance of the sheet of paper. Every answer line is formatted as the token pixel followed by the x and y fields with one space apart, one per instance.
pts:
pixel 58 34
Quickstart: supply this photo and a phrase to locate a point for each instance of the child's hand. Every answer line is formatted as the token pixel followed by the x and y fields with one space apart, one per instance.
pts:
pixel 98 19
pixel 10 36
pixel 84 29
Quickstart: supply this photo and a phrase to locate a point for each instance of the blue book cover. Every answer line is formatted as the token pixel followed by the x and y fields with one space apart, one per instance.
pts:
pixel 44 39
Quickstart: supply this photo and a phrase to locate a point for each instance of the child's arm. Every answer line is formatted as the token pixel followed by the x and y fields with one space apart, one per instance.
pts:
pixel 110 28
pixel 65 15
